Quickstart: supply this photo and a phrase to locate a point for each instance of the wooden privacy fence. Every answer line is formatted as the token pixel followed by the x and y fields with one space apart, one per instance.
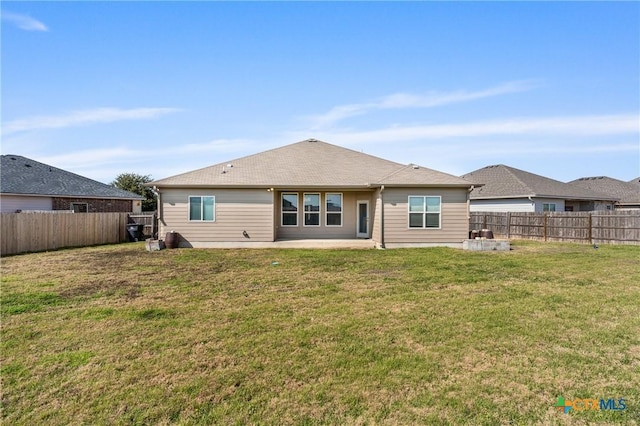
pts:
pixel 30 232
pixel 613 227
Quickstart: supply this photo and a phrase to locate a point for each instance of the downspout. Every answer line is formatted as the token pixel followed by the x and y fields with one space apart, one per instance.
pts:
pixel 382 217
pixel 469 201
pixel 156 191
pixel 533 203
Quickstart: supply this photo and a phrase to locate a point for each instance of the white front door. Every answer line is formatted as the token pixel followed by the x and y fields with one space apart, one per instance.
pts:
pixel 363 219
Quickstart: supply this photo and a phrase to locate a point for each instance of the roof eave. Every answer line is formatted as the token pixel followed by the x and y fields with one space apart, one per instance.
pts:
pixel 92 197
pixel 259 186
pixel 492 197
pixel 564 197
pixel 427 185
pixel 570 197
pixel 315 186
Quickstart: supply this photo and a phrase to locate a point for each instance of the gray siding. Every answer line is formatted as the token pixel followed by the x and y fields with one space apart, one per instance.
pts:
pixel 540 201
pixel 502 205
pixel 525 205
pixel 236 211
pixel 12 203
pixel 454 216
pixel 588 206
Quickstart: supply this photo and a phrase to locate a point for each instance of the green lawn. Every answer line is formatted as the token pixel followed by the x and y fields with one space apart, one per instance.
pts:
pixel 119 335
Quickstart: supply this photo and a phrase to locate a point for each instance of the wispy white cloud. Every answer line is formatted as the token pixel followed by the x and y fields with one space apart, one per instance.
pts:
pixel 90 157
pixel 24 22
pixel 81 118
pixel 104 164
pixel 408 100
pixel 218 146
pixel 453 147
pixel 584 126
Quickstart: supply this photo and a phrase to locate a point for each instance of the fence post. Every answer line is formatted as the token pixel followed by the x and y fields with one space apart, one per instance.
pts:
pixel 508 225
pixel 544 226
pixel 484 221
pixel 590 228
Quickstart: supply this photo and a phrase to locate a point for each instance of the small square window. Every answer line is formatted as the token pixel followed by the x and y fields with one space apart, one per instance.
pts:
pixel 424 211
pixel 202 208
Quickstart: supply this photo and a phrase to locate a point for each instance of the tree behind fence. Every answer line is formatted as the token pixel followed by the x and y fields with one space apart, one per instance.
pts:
pixel 30 232
pixel 613 227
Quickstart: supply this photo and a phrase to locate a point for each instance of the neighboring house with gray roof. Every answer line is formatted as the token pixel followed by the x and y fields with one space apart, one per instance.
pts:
pixel 28 185
pixel 627 193
pixel 635 181
pixel 313 190
pixel 507 189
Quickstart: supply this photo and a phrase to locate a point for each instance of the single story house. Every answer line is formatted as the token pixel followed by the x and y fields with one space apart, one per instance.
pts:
pixel 313 190
pixel 28 185
pixel 507 189
pixel 627 193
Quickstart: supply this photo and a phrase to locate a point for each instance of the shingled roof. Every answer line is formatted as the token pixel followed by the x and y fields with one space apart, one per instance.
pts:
pixel 311 163
pixel 21 175
pixel 502 181
pixel 626 192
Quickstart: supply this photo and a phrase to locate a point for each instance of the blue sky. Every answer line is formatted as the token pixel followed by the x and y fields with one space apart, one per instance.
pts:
pixel 160 88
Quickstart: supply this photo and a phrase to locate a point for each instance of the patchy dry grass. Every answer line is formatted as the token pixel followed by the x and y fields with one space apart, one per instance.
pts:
pixel 118 335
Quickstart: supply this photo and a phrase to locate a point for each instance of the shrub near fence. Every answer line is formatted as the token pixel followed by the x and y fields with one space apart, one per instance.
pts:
pixel 41 231
pixel 613 227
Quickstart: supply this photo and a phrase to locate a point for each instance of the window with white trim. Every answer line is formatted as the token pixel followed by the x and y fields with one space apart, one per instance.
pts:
pixel 424 211
pixel 311 209
pixel 333 209
pixel 548 207
pixel 289 209
pixel 202 208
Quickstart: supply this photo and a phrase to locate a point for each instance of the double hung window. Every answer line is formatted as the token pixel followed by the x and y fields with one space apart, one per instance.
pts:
pixel 311 209
pixel 289 209
pixel 334 209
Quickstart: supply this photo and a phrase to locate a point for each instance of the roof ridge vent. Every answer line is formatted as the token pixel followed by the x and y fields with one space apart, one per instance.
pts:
pixel 312 140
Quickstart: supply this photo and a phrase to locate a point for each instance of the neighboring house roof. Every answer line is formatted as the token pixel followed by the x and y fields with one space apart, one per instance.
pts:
pixel 23 176
pixel 626 192
pixel 311 163
pixel 502 181
pixel 635 181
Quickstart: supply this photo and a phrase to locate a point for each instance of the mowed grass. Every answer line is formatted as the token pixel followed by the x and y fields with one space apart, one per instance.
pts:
pixel 119 335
